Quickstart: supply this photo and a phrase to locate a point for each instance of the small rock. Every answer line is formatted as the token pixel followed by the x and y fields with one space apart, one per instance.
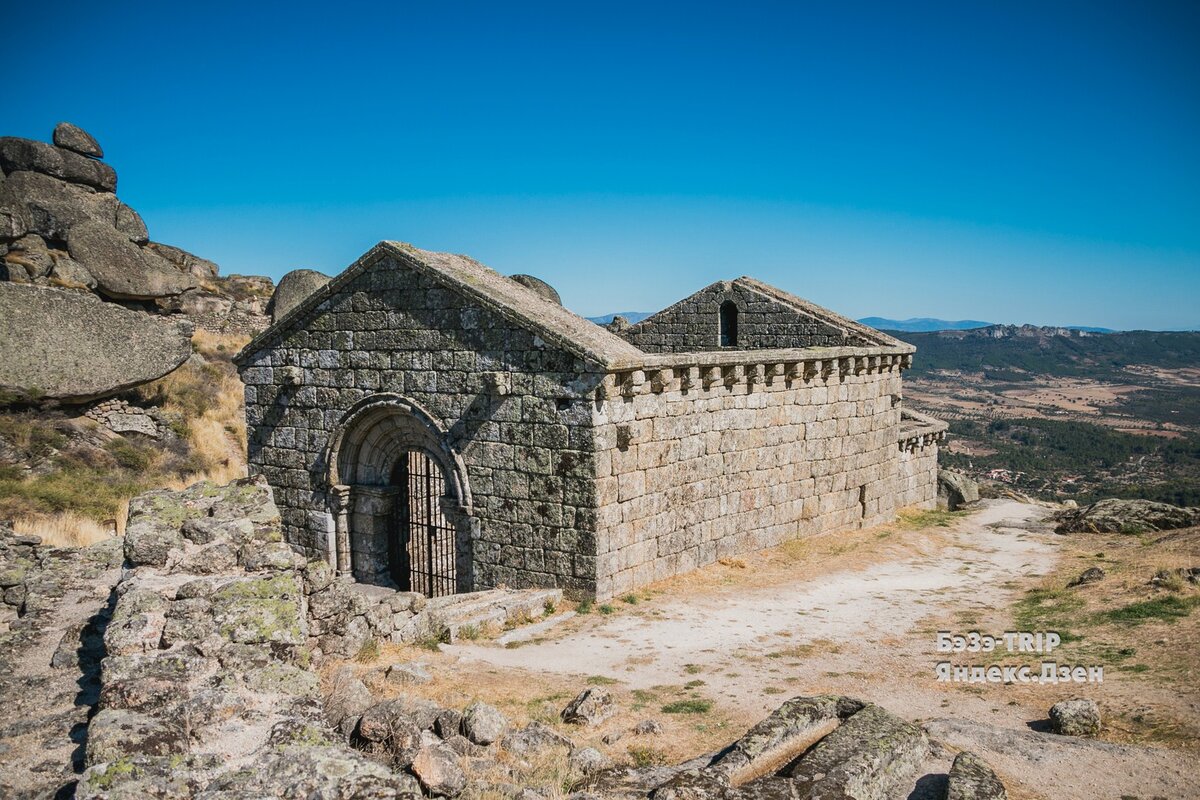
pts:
pixel 955 490
pixel 1075 718
pixel 436 767
pixel 483 724
pixel 588 760
pixel 1089 575
pixel 972 779
pixel 409 674
pixel 534 738
pixel 647 727
pixel 590 707
pixel 448 723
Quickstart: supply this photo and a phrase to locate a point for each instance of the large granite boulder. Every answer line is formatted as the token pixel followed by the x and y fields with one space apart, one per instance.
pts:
pixel 1125 516
pixel 539 287
pixel 75 138
pixel 955 490
pixel 71 346
pixel 122 269
pixel 49 207
pixel 184 261
pixel 26 154
pixel 293 289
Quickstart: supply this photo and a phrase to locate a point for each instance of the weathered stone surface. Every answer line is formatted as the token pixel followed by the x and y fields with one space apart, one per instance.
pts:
pixel 588 761
pixel 292 290
pixel 972 779
pixel 185 261
pixel 114 734
pixel 534 738
pixel 29 155
pixel 436 767
pixel 408 674
pixel 869 757
pixel 31 253
pixel 1075 718
pixel 543 289
pixel 50 208
pixel 955 490
pixel 1125 516
pixel 781 737
pixel 311 772
pixel 260 610
pixel 130 223
pixel 122 269
pixel 77 139
pixel 70 274
pixel 483 724
pixel 149 541
pixel 69 346
pixel 590 707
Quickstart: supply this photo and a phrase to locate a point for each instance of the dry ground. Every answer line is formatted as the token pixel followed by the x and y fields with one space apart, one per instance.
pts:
pixel 710 653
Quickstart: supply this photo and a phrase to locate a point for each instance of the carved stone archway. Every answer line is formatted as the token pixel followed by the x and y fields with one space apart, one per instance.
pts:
pixel 370 440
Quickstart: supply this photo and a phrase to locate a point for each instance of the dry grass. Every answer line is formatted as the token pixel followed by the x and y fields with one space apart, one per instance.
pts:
pixel 1147 638
pixel 66 529
pixel 525 696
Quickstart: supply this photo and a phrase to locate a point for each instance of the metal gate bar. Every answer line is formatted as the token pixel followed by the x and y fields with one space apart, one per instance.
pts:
pixel 426 546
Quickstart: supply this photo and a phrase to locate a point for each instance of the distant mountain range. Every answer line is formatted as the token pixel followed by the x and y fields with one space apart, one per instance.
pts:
pixel 926 324
pixel 921 324
pixel 914 325
pixel 632 316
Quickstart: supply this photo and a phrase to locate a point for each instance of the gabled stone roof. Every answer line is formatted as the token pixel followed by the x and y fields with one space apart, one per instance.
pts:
pixel 872 335
pixel 553 323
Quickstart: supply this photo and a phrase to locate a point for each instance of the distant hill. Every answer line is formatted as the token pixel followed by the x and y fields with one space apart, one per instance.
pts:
pixel 922 324
pixel 632 316
pixel 1006 352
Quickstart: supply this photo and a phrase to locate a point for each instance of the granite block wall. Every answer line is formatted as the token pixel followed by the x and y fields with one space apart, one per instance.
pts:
pixel 528 453
pixel 693 324
pixel 688 476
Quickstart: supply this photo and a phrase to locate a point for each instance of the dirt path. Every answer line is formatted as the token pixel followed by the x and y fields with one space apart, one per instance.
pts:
pixel 866 627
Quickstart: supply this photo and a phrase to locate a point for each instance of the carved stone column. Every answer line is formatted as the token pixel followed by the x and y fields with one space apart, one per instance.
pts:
pixel 341 506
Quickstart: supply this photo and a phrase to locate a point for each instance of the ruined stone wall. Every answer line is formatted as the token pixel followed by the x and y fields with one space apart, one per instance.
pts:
pixel 528 455
pixel 686 476
pixel 916 483
pixel 693 324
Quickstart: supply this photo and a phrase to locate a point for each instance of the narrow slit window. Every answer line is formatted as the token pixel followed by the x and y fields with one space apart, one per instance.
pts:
pixel 729 324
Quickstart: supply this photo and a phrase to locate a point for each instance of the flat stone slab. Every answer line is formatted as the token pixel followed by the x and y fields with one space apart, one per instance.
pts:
pixel 65 345
pixel 869 757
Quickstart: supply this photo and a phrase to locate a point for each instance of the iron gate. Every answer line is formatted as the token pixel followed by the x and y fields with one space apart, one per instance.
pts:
pixel 421 547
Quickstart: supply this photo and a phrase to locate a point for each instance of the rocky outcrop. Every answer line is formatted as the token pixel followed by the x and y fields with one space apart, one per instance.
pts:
pixel 1125 516
pixel 62 225
pixel 204 687
pixel 69 346
pixel 955 490
pixel 293 289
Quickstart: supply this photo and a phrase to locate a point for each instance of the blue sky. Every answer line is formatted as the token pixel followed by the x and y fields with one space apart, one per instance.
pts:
pixel 999 161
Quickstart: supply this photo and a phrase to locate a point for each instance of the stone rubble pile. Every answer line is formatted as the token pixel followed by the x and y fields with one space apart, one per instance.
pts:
pixel 121 416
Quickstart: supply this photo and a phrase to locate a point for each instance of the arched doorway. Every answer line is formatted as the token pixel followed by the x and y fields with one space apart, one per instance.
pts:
pixel 402 507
